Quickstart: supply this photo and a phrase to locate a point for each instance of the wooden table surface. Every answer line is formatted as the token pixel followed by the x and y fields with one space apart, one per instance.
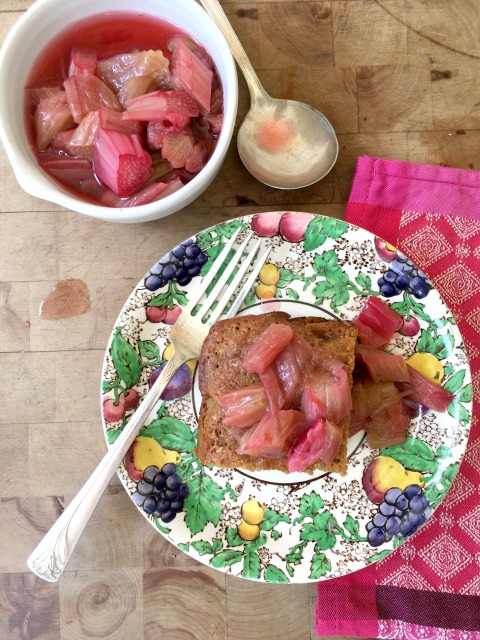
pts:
pixel 397 79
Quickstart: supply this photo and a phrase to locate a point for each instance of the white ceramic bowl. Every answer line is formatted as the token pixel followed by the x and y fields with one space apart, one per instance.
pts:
pixel 47 18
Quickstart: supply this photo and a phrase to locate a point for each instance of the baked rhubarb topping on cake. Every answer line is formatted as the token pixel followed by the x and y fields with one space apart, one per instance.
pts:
pixel 276 393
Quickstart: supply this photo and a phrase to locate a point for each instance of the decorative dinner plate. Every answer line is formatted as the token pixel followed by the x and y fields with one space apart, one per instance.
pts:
pixel 271 526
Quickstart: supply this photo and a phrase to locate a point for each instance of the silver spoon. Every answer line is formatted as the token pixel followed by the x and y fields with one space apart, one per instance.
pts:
pixel 283 143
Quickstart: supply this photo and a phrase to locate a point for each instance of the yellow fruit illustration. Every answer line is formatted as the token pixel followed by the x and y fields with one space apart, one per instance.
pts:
pixel 383 473
pixel 265 291
pixel 167 354
pixel 252 512
pixel 248 531
pixel 428 365
pixel 147 451
pixel 269 274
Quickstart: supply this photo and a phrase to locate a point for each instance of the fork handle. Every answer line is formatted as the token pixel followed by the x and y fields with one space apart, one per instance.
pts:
pixel 50 557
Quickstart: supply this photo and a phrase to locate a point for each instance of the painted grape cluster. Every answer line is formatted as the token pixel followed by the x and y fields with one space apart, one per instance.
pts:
pixel 180 265
pixel 402 275
pixel 161 492
pixel 400 514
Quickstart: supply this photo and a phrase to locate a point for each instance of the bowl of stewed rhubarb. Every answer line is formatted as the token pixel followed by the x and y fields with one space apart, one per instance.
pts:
pixel 117 111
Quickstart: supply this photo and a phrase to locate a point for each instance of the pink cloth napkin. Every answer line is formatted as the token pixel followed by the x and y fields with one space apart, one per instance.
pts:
pixel 429 587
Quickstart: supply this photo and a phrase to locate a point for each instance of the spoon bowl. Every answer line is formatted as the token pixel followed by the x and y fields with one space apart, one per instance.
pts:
pixel 283 143
pixel 287 144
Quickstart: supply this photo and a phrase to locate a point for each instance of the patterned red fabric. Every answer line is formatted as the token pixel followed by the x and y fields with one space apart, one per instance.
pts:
pixel 430 586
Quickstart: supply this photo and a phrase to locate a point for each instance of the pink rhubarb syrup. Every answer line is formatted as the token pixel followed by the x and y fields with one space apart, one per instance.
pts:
pixel 108 35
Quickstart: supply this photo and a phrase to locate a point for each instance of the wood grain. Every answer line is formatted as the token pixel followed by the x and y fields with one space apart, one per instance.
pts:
pixel 397 79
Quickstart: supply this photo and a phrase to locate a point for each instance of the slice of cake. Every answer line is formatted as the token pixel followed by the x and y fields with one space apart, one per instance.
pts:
pixel 258 412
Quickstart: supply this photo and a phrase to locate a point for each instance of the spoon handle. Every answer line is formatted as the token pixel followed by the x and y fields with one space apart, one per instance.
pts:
pixel 215 11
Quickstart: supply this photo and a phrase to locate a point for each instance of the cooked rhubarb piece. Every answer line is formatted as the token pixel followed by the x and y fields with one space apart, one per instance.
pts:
pixel 61 139
pixel 37 93
pixel 72 171
pixel 177 148
pixel 117 70
pixel 110 119
pixel 83 61
pixel 274 435
pixel 199 157
pixel 312 407
pixel 273 389
pixel 332 389
pixel 52 115
pixel 120 162
pixel 244 407
pixel 192 74
pixel 369 336
pixel 82 142
pixel 425 393
pixel 151 193
pixel 383 366
pixel 134 87
pixel 372 398
pixel 378 316
pixel 320 442
pixel 88 93
pixel 290 374
pixel 390 426
pixel 173 107
pixel 266 347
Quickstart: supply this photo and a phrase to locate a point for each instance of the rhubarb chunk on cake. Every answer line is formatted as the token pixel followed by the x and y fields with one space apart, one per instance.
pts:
pixel 276 393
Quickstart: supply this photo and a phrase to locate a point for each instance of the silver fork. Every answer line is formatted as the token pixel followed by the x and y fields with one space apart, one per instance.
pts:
pixel 50 557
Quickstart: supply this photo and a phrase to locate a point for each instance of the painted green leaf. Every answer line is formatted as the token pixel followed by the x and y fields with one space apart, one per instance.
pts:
pixel 126 360
pixel 425 342
pixel 455 383
pixel 226 558
pixel 319 229
pixel 257 543
pixel 326 263
pixel 108 386
pixel 271 518
pixel 161 527
pixel 233 539
pixel 217 545
pixel 275 575
pixel 251 566
pixel 202 547
pixel 352 525
pixel 458 411
pixel 310 504
pixel 203 503
pixel 324 538
pixel 364 281
pixel 183 546
pixel 112 435
pixel 148 349
pixel 324 290
pixel 286 277
pixel 275 535
pixel 414 455
pixel 292 294
pixel 319 566
pixel 466 394
pixel 294 557
pixel 162 300
pixel 171 433
pixel 444 452
pixel 450 473
pixel 443 346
